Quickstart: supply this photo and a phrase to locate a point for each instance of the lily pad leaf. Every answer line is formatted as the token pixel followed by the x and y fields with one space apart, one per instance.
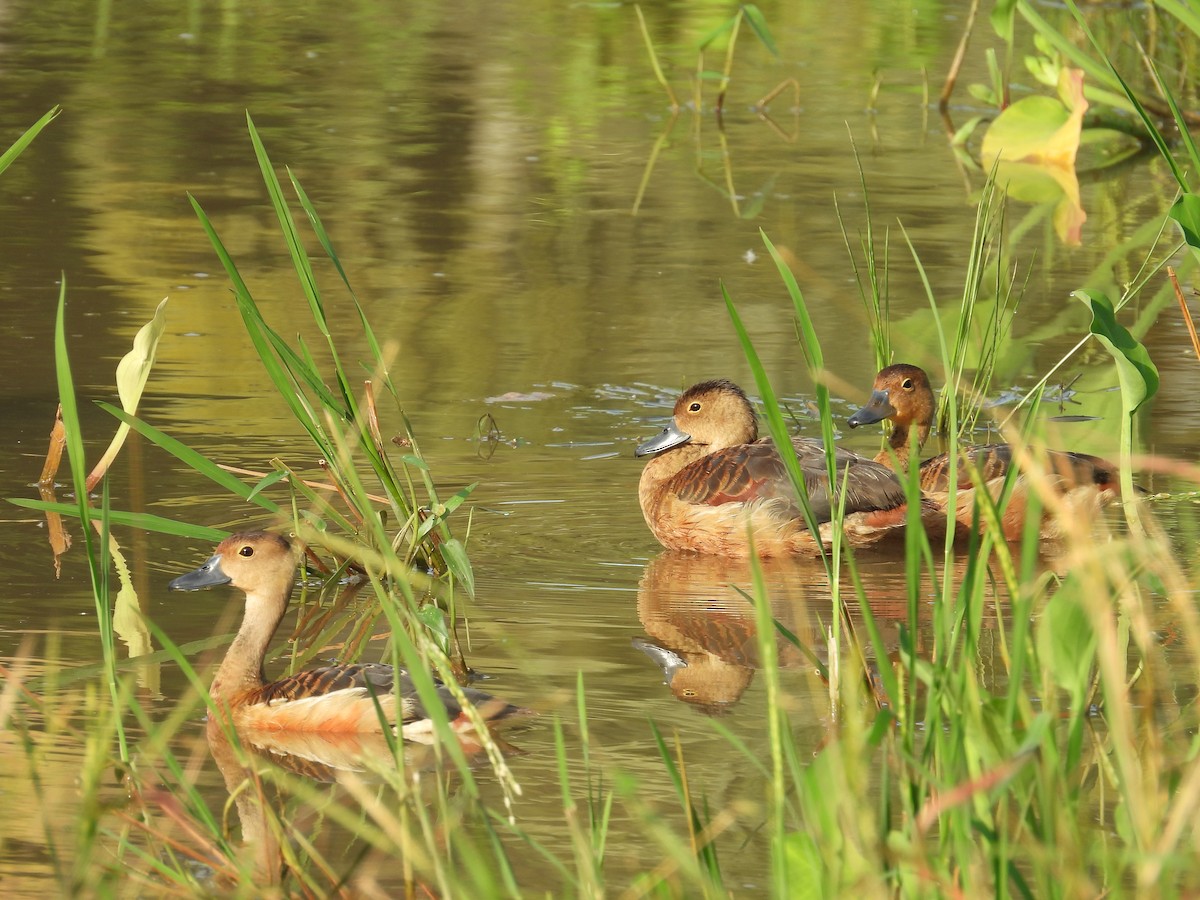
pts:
pixel 1040 129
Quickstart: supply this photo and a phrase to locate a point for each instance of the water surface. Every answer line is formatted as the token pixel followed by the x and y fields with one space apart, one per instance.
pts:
pixel 477 167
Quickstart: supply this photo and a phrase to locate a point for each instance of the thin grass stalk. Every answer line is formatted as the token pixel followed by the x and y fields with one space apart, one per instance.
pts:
pixel 597 823
pixel 588 881
pixel 378 455
pixel 777 728
pixel 301 263
pixel 776 424
pixel 658 73
pixel 691 859
pixel 874 295
pixel 730 47
pixel 94 557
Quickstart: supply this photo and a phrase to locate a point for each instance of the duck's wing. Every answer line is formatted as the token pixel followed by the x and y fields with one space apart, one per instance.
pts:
pixel 374 678
pixel 755 472
pixel 490 708
pixel 870 486
pixel 379 680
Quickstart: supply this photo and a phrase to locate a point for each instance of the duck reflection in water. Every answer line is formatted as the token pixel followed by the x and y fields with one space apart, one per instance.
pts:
pixel 701 628
pixel 343 759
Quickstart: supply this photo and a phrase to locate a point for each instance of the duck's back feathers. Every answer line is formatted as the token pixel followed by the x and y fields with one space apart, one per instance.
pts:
pixel 993 461
pixel 370 678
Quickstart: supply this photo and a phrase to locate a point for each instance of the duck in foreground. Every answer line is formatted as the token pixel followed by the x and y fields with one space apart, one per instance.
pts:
pixel 902 394
pixel 714 486
pixel 331 699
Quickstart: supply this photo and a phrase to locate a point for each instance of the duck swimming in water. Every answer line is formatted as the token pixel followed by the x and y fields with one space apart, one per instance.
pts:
pixel 902 394
pixel 340 698
pixel 714 486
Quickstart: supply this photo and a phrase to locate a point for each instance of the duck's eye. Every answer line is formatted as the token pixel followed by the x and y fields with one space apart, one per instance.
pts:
pixel 695 407
pixel 906 384
pixel 246 551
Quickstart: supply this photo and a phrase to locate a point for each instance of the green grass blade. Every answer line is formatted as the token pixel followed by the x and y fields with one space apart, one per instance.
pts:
pixel 192 458
pixel 144 521
pixel 775 422
pixel 758 24
pixel 19 145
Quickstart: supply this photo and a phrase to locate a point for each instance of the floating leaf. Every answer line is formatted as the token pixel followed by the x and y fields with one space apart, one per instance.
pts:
pixel 1040 129
pixel 1041 182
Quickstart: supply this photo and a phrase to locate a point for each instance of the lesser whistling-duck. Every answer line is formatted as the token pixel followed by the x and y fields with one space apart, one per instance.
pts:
pixel 902 394
pixel 339 698
pixel 714 486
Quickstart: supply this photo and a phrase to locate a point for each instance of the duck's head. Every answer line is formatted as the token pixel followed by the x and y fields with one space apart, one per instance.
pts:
pixel 257 562
pixel 900 393
pixel 715 414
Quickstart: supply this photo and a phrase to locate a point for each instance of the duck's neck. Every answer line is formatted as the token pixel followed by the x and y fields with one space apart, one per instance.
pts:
pixel 242 668
pixel 900 446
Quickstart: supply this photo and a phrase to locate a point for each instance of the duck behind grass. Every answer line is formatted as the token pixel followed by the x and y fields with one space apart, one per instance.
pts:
pixel 358 698
pixel 902 394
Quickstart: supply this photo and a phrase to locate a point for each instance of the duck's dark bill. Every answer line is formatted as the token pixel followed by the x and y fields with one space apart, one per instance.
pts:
pixel 208 575
pixel 670 437
pixel 878 408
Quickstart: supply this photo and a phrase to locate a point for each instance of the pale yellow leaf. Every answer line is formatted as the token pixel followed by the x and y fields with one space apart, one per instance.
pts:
pixel 132 372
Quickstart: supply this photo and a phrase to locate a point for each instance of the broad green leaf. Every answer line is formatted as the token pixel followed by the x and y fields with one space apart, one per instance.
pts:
pixel 1023 131
pixel 1003 13
pixel 1040 129
pixel 132 372
pixel 758 24
pixel 1066 643
pixel 265 482
pixel 805 866
pixel 1186 211
pixel 1137 373
pixel 455 555
pixel 434 620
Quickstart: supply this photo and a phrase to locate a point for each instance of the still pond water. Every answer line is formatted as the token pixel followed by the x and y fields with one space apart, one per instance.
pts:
pixel 478 169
